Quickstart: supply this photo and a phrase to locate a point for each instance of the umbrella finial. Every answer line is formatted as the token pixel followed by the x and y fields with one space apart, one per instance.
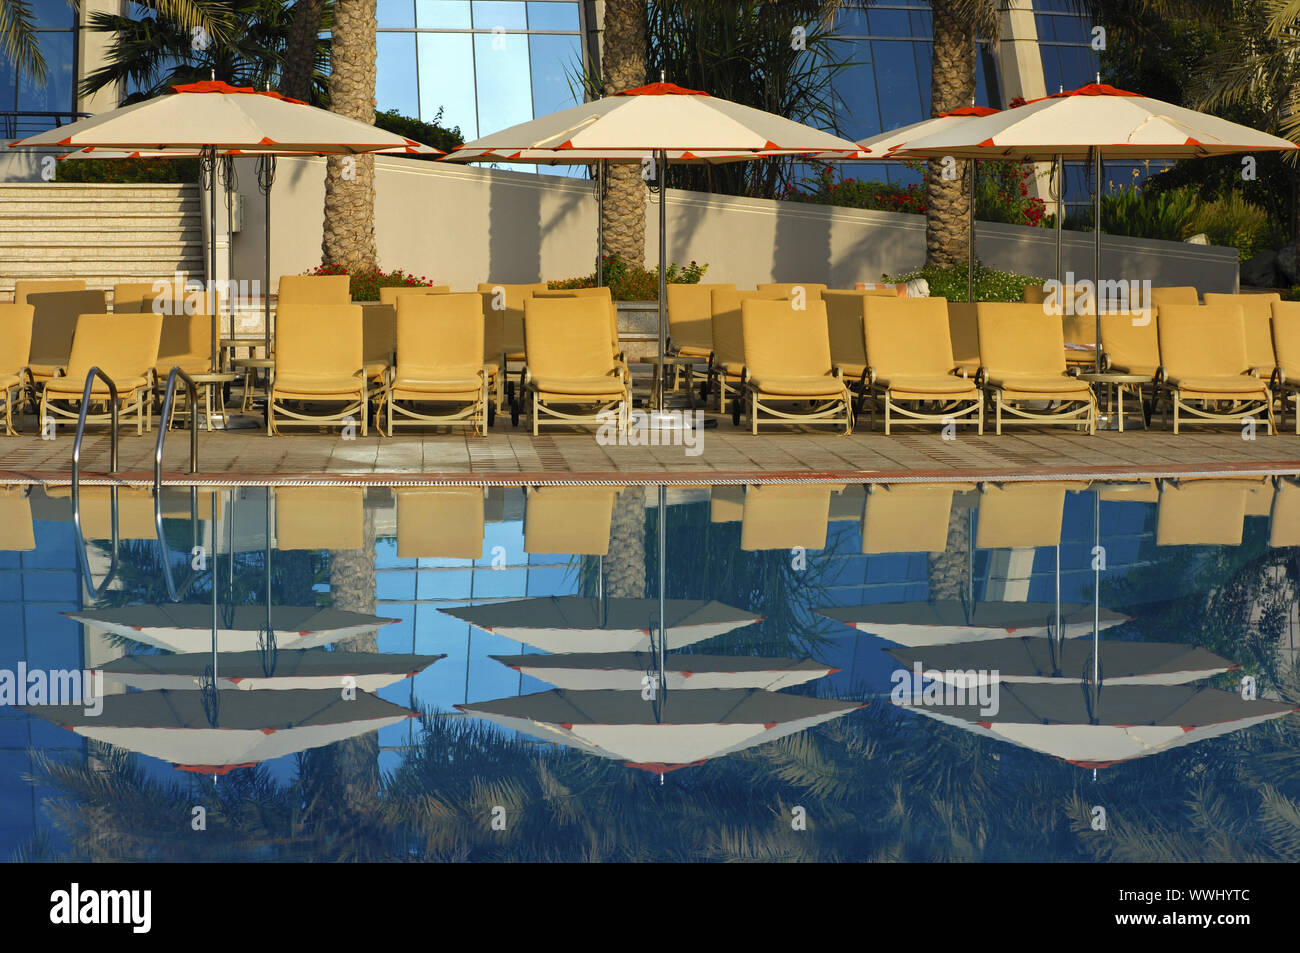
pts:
pixel 212 74
pixel 663 77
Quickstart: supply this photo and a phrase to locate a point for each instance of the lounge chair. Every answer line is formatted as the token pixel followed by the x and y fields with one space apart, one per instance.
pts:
pixel 569 520
pixel 1128 491
pixel 1284 518
pixel 1201 512
pixel 964 334
pixel 728 358
pixel 788 376
pixel 844 313
pixel 1130 344
pixel 600 294
pixel 1022 515
pixel 911 364
pixel 503 305
pixel 1023 364
pixel 908 517
pixel 17 534
pixel 787 289
pixel 690 324
pixel 439 362
pixel 320 517
pixel 125 348
pixel 1257 310
pixel 134 297
pixel 24 286
pixel 1076 305
pixel 313 289
pixel 1176 294
pixel 1286 347
pixel 785 516
pixel 1204 364
pixel 318 360
pixel 15 350
pixel 54 320
pixel 379 340
pixel 442 522
pixel 726 503
pixel 186 343
pixel 570 364
pixel 391 294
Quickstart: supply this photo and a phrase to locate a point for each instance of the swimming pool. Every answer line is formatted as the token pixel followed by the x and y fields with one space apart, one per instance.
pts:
pixel 914 671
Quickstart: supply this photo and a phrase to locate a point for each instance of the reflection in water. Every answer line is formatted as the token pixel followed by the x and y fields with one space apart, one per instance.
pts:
pixel 751 637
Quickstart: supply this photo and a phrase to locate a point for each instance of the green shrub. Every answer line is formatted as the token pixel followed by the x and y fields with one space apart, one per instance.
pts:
pixel 853 193
pixel 430 133
pixel 1233 222
pixel 631 283
pixel 365 285
pixel 128 171
pixel 951 282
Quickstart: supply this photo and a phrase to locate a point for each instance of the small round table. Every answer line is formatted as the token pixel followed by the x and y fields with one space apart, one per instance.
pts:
pixel 249 366
pixel 211 383
pixel 1115 383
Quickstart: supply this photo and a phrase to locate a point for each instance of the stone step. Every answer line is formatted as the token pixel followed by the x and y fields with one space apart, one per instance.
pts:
pixel 89 205
pixel 77 238
pixel 10 253
pixel 63 190
pixel 106 266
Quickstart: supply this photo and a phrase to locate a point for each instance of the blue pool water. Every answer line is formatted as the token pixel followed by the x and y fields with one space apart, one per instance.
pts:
pixel 400 706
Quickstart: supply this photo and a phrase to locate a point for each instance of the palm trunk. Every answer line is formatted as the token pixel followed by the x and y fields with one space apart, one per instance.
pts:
pixel 947 571
pixel 300 50
pixel 625 564
pixel 352 586
pixel 623 67
pixel 952 84
pixel 349 238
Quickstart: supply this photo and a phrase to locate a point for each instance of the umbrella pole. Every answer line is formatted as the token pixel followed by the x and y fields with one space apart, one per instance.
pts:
pixel 209 165
pixel 600 222
pixel 1096 253
pixel 663 577
pixel 228 170
pixel 266 179
pixel 663 276
pixel 970 239
pixel 1060 214
pixel 1096 586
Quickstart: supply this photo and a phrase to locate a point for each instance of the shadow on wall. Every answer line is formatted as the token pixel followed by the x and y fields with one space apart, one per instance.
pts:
pixel 514 232
pixel 801 249
pixel 573 205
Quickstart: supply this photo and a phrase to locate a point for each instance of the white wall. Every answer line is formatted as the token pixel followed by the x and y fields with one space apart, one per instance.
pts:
pixel 461 225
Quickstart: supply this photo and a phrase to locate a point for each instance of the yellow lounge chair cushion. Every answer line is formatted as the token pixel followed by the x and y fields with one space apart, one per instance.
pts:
pixel 1286 338
pixel 929 387
pixel 690 317
pixel 15 337
pixel 1257 311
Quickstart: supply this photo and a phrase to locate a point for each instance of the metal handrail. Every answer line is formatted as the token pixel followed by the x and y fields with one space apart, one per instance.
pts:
pixel 164 421
pixel 81 424
pixel 95 591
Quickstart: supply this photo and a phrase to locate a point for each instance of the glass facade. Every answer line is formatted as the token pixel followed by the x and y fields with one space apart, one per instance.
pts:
pixel 56 32
pixel 481 65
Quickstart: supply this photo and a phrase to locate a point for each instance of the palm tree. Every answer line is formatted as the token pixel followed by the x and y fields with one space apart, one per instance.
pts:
pixel 349 236
pixel 20 46
pixel 623 67
pixel 952 84
pixel 300 60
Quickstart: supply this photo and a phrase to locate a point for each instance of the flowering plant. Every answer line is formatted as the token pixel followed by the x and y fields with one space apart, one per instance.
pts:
pixel 364 285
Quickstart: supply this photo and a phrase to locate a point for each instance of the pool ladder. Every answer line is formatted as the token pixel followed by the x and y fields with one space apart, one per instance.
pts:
pixel 169 397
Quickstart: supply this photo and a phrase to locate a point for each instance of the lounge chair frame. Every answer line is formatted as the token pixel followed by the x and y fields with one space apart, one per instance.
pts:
pixel 397 411
pixel 1207 413
pixel 963 410
pixel 1071 413
pixel 543 410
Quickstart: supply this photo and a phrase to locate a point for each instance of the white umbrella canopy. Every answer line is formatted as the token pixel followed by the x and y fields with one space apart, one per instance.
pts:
pixel 1024 660
pixel 1125 723
pixel 186 628
pixel 626 670
pixel 950 621
pixel 244 671
pixel 251 726
pixel 213 114
pixel 1075 123
pixel 660 117
pixel 580 624
pixel 679 730
pixel 882 146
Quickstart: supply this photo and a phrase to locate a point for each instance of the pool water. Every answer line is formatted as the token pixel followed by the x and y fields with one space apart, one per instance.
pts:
pixel 1017 671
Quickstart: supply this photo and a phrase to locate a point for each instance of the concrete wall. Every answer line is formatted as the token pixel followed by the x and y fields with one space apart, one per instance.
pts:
pixel 461 225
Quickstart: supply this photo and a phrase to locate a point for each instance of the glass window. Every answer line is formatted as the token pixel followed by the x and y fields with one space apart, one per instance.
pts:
pixel 889 23
pixel 56 93
pixel 447 81
pixel 502 14
pixel 556 71
pixel 395 86
pixel 502 79
pixel 896 85
pixel 442 14
pixel 553 16
pixel 860 115
pixel 924 52
pixel 852 21
pixel 922 24
pixel 395 14
pixel 53 15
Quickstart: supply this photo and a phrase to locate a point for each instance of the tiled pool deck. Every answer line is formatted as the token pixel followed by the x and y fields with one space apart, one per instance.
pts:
pixel 729 454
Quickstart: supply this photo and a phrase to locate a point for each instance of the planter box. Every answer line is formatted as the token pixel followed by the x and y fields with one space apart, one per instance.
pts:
pixel 638 327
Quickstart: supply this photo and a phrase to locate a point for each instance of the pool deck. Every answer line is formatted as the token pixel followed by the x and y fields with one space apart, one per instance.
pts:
pixel 727 455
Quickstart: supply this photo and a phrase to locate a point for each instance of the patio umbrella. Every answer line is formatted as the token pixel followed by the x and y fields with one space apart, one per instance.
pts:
pixel 294 669
pixel 948 621
pixel 680 730
pixel 660 121
pixel 1118 723
pixel 580 624
pixel 189 628
pixel 1095 122
pixel 1022 660
pixel 625 670
pixel 253 726
pixel 214 118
